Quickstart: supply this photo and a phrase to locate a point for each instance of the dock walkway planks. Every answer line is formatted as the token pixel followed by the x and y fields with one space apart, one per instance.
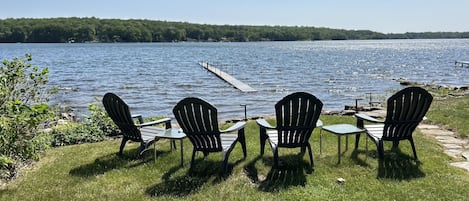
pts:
pixel 462 63
pixel 227 77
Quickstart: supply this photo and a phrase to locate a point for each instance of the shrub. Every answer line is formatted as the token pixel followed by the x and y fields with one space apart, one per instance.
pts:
pixel 99 121
pixel 97 127
pixel 7 167
pixel 23 112
pixel 74 133
pixel 23 108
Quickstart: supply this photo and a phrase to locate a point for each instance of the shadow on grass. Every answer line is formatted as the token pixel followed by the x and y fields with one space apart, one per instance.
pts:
pixel 113 161
pixel 399 166
pixel 203 171
pixel 290 172
pixel 395 165
pixel 359 161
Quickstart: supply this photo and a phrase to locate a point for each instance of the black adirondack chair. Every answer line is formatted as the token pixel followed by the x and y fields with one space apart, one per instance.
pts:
pixel 144 133
pixel 199 121
pixel 297 115
pixel 405 110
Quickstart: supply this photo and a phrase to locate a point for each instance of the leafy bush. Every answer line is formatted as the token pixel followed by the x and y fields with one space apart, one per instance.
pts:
pixel 74 133
pixel 24 113
pixel 5 161
pixel 23 108
pixel 97 127
pixel 20 137
pixel 99 121
pixel 7 167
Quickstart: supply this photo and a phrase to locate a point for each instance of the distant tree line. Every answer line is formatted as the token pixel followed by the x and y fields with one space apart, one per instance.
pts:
pixel 61 30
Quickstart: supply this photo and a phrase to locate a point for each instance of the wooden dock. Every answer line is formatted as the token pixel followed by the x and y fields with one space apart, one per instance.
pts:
pixel 462 63
pixel 227 77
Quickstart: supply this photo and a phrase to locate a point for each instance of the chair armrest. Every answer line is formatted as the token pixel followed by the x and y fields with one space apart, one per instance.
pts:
pixel 238 126
pixel 319 123
pixel 264 124
pixel 166 121
pixel 139 117
pixel 367 118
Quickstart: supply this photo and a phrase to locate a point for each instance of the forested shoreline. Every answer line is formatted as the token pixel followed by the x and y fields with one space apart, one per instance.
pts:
pixel 62 30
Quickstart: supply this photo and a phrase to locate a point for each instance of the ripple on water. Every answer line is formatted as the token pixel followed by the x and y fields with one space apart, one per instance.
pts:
pixel 152 77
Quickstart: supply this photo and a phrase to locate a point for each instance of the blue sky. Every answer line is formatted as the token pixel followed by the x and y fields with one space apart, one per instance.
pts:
pixel 387 16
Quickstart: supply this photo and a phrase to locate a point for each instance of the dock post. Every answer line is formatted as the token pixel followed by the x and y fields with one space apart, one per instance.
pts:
pixel 245 112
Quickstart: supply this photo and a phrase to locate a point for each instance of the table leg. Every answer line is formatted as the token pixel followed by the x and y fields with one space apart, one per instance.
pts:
pixel 338 146
pixel 366 144
pixel 154 149
pixel 320 142
pixel 173 145
pixel 182 151
pixel 346 142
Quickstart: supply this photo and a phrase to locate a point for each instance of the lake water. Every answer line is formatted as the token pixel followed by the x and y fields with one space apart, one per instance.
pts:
pixel 153 77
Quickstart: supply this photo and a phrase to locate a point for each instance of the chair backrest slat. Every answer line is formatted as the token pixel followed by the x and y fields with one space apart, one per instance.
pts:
pixel 119 112
pixel 405 110
pixel 296 116
pixel 198 119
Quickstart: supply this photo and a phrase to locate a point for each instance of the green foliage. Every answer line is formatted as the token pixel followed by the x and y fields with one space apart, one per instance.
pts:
pixel 24 113
pixel 21 81
pixel 99 121
pixel 98 127
pixel 74 133
pixel 59 30
pixel 23 108
pixel 7 167
pixel 5 161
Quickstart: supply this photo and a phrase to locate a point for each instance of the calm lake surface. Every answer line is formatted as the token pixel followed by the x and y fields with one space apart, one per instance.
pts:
pixel 153 77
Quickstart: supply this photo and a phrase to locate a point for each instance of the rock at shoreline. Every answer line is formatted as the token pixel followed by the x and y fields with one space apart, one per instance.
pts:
pixel 405 82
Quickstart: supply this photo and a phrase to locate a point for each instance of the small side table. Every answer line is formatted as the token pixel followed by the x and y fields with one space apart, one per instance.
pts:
pixel 339 130
pixel 173 134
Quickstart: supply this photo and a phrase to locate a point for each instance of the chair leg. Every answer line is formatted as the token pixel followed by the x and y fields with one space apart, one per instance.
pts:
pixel 276 158
pixel 142 149
pixel 206 154
pixel 192 160
pixel 413 148
pixel 263 138
pixel 242 140
pixel 395 145
pixel 360 124
pixel 121 149
pixel 311 157
pixel 224 165
pixel 381 149
pixel 303 150
pixel 357 140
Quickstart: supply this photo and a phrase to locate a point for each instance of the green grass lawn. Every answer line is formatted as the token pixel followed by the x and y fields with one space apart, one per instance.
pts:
pixel 94 172
pixel 452 114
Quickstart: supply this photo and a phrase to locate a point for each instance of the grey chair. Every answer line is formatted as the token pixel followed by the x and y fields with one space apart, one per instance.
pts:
pixel 297 115
pixel 199 121
pixel 405 110
pixel 144 133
